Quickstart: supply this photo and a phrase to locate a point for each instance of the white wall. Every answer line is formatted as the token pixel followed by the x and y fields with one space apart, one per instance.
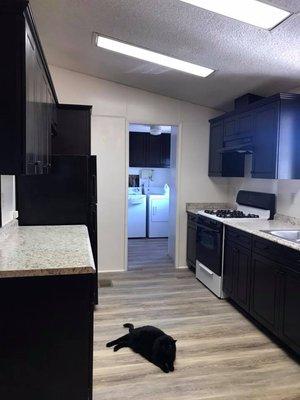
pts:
pixel 109 143
pixel 113 101
pixel 160 176
pixel 8 198
pixel 173 183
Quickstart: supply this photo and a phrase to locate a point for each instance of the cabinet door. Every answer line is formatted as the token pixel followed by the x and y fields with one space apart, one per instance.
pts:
pixel 242 278
pixel 230 126
pixel 215 144
pixel 158 151
pixel 137 149
pixel 73 131
pixel 264 304
pixel 244 124
pixel 191 244
pixel 165 150
pixel 290 309
pixel 31 105
pixel 266 124
pixel 230 260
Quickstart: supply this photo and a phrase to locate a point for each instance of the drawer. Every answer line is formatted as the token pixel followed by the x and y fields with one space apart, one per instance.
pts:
pixel 192 217
pixel 279 253
pixel 239 237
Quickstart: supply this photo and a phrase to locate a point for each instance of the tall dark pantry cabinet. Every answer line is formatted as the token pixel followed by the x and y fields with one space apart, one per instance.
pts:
pixel 67 195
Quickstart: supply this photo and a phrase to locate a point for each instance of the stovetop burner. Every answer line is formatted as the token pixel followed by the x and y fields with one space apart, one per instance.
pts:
pixel 230 214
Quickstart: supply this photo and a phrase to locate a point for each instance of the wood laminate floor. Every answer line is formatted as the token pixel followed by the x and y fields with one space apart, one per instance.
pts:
pixel 148 253
pixel 220 354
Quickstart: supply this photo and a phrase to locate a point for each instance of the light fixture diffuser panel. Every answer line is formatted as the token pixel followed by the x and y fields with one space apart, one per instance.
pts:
pixel 151 56
pixel 251 12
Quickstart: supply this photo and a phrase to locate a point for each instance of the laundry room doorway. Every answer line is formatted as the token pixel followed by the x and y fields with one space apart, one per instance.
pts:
pixel 152 196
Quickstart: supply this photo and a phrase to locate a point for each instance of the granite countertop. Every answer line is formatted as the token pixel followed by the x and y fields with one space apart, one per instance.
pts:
pixel 45 250
pixel 255 227
pixel 195 207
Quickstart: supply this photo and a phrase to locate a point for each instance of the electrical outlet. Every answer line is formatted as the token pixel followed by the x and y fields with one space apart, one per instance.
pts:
pixel 15 214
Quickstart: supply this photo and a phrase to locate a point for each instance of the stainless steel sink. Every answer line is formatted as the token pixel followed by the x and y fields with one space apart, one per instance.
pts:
pixel 291 235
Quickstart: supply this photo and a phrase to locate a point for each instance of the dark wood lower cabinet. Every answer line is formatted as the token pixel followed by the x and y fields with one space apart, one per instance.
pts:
pixel 242 290
pixel 290 328
pixel 265 292
pixel 191 246
pixel 236 274
pixel 230 258
pixel 46 337
pixel 264 280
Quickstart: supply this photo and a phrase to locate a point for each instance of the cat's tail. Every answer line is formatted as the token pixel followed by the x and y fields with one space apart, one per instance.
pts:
pixel 129 326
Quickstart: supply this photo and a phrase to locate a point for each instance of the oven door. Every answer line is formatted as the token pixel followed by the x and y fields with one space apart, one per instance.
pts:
pixel 209 248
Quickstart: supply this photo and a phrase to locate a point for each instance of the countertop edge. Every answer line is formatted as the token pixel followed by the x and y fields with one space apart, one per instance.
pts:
pixel 47 272
pixel 265 235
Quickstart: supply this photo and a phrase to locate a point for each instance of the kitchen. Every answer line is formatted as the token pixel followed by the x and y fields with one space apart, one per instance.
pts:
pixel 214 334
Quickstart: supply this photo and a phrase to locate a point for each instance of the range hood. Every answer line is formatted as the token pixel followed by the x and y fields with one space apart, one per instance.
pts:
pixel 246 148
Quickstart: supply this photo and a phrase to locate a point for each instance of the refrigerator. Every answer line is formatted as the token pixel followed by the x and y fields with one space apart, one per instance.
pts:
pixel 66 196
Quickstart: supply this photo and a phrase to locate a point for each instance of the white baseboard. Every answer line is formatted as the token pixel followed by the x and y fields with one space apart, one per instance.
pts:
pixel 110 271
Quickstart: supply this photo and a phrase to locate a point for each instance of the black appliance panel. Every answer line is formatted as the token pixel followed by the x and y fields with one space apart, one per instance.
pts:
pixel 265 201
pixel 62 197
pixel 93 179
pixel 209 244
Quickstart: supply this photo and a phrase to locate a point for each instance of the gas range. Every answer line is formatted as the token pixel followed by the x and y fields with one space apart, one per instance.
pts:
pixel 250 206
pixel 241 212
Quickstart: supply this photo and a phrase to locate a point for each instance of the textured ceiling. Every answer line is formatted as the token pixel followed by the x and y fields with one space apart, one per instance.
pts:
pixel 246 58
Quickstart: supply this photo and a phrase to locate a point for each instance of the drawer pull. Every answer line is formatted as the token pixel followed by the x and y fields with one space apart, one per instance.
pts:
pixel 208 271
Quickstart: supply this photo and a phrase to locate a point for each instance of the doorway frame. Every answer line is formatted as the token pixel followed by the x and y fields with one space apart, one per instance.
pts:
pixel 178 168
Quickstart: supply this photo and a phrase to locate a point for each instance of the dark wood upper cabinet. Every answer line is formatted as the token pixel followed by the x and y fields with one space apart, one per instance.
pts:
pixel 73 135
pixel 226 165
pixel 267 128
pixel 265 138
pixel 215 144
pixel 229 127
pixel 28 99
pixel 149 151
pixel 138 149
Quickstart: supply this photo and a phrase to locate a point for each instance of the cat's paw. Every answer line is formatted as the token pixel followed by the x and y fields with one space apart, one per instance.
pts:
pixel 171 368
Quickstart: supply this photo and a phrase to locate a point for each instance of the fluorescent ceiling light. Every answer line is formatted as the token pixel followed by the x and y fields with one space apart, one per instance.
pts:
pixel 250 11
pixel 151 56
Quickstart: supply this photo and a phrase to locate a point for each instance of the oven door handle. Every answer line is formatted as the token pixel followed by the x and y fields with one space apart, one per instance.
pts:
pixel 208 271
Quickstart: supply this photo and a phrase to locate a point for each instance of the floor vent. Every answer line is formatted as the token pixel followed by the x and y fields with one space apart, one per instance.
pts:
pixel 105 283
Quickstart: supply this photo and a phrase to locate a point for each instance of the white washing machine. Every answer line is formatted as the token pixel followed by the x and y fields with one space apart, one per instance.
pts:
pixel 136 213
pixel 158 215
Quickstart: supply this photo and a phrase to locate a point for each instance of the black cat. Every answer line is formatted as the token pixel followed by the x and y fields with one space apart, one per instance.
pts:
pixel 151 343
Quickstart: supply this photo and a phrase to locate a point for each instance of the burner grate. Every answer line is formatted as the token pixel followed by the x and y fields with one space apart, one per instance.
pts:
pixel 230 214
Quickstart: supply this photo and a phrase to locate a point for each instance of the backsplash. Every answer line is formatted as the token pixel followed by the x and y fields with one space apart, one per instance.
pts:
pixel 160 176
pixel 287 192
pixel 8 198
